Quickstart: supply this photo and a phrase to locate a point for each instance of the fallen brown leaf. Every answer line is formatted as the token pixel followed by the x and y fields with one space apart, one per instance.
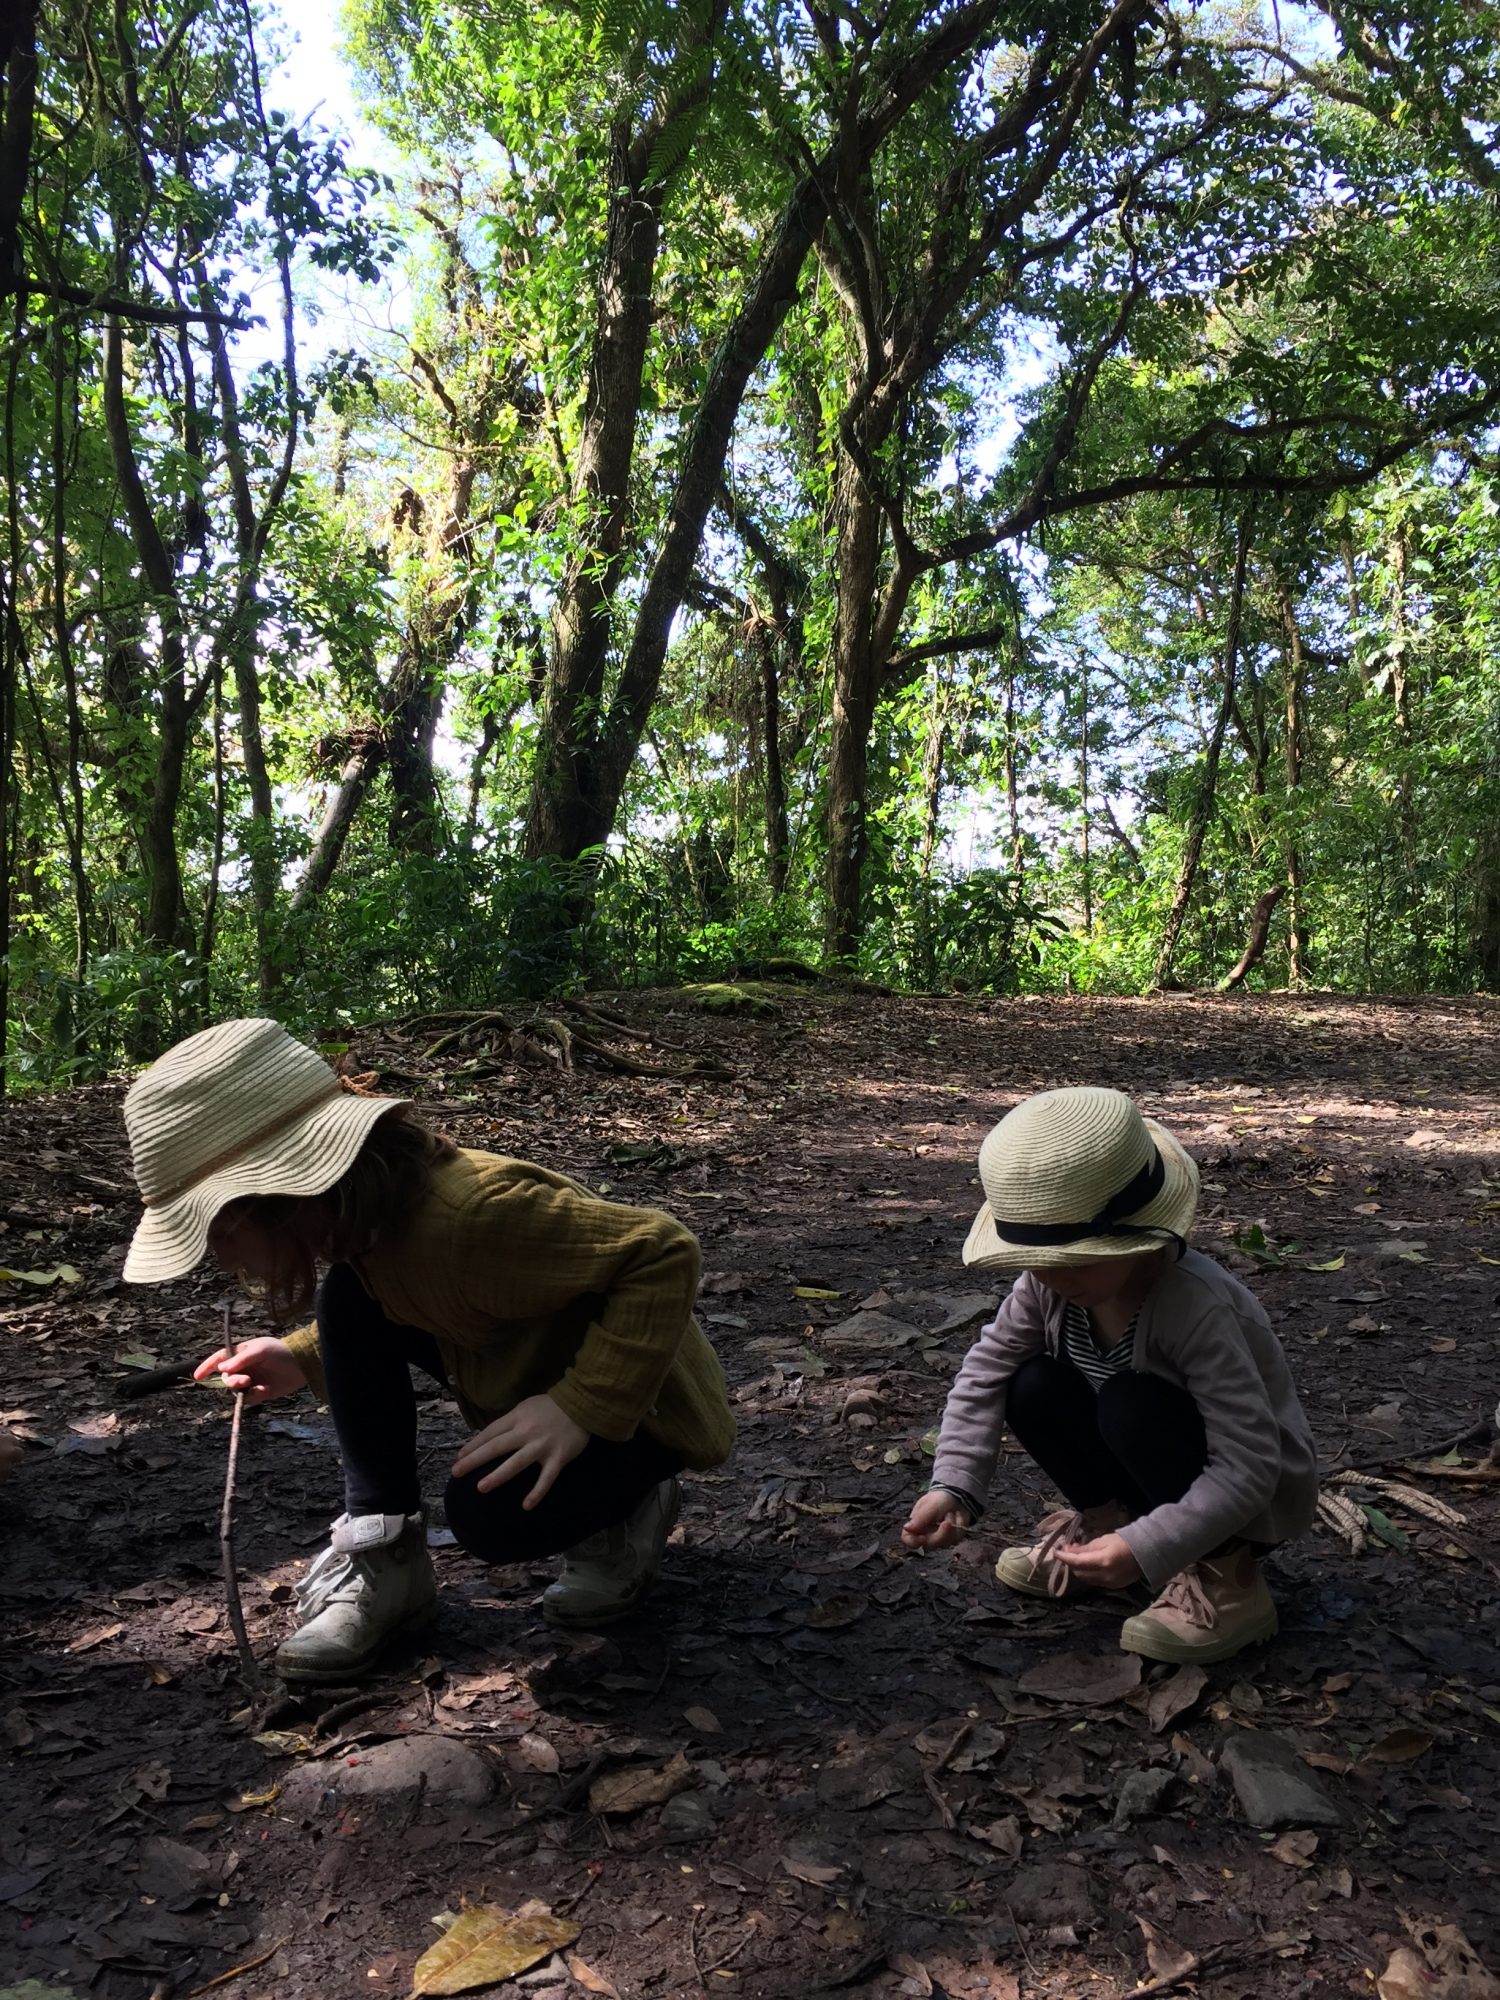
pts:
pixel 633 1790
pixel 1169 1698
pixel 1295 1849
pixel 536 1753
pixel 1400 1746
pixel 487 1946
pixel 1167 1959
pixel 592 1981
pixel 1087 1678
pixel 818 1873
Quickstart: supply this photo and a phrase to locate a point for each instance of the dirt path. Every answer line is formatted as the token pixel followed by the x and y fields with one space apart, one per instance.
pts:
pixel 893 1782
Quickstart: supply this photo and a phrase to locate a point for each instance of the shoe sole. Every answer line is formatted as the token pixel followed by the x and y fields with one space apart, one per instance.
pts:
pixel 415 1621
pixel 1155 1645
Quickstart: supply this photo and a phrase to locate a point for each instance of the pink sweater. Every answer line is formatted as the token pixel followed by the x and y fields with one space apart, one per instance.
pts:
pixel 1201 1329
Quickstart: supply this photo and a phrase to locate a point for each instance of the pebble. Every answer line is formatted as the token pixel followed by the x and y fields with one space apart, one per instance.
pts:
pixel 1273 1785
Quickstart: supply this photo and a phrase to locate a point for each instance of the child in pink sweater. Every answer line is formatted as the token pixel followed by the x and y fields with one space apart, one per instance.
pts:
pixel 1143 1379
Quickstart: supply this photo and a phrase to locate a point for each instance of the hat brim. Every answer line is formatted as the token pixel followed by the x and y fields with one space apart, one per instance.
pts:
pixel 1172 1211
pixel 304 1159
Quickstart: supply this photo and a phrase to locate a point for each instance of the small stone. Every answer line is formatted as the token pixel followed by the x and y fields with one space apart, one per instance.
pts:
pixel 1273 1785
pixel 1142 1793
pixel 544 1978
pixel 1054 1893
pixel 687 1817
pixel 442 1769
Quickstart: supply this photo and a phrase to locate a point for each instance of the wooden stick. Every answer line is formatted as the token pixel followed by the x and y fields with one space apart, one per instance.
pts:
pixel 249 1670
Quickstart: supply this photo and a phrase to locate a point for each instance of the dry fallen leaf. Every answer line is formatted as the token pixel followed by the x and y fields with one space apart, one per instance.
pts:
pixel 1295 1849
pixel 1400 1746
pixel 1177 1692
pixel 1004 1835
pixel 93 1635
pixel 1167 1959
pixel 983 1980
pixel 818 1873
pixel 487 1946
pixel 631 1791
pixel 1448 1967
pixel 832 1614
pixel 592 1981
pixel 1087 1678
pixel 703 1720
pixel 536 1753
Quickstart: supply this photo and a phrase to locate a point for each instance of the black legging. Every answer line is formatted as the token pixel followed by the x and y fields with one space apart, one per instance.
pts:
pixel 367 1363
pixel 1139 1439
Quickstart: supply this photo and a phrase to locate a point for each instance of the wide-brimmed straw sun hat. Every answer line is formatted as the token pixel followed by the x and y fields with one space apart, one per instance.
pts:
pixel 1072 1175
pixel 237 1110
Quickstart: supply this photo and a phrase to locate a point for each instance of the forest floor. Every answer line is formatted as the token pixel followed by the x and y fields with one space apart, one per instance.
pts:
pixel 814 1764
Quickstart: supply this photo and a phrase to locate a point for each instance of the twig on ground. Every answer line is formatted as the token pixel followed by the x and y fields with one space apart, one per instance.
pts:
pixel 749 1933
pixel 234 1972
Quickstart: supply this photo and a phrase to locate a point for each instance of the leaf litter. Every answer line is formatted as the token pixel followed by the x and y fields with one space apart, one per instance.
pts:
pixel 1383 1676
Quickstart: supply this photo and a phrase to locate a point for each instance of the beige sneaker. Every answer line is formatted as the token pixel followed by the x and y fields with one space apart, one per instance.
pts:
pixel 606 1576
pixel 373 1581
pixel 1207 1611
pixel 1034 1571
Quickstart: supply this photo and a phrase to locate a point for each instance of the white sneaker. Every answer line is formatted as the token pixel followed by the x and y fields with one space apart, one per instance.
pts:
pixel 373 1581
pixel 608 1575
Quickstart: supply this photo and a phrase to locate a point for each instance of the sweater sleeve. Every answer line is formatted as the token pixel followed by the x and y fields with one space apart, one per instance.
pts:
pixel 309 1358
pixel 1218 1370
pixel 974 1414
pixel 531 1248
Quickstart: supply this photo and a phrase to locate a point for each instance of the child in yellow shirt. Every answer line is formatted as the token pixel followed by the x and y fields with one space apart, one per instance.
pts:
pixel 561 1323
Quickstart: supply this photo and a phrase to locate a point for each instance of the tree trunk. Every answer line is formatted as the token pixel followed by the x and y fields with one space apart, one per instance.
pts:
pixel 1187 874
pixel 1255 944
pixel 1083 806
pixel 10 655
pixel 1012 775
pixel 778 838
pixel 1294 671
pixel 563 813
pixel 18 71
pixel 857 538
pixel 932 772
pixel 344 801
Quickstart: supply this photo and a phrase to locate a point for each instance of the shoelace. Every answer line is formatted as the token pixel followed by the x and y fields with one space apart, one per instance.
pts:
pixel 336 1574
pixel 1056 1531
pixel 1185 1593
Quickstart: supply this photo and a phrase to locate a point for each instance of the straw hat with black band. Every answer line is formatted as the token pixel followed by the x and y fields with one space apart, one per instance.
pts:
pixel 240 1109
pixel 1074 1175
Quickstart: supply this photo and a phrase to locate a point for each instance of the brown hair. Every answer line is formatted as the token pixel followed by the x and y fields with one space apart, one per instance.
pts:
pixel 388 1177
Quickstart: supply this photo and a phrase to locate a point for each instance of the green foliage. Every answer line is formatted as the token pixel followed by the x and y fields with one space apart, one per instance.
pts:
pixel 971 933
pixel 251 595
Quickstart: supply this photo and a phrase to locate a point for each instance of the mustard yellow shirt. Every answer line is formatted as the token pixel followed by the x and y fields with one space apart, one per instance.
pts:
pixel 530 1284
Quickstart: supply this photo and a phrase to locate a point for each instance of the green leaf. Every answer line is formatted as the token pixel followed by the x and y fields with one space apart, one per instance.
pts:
pixel 1384 1529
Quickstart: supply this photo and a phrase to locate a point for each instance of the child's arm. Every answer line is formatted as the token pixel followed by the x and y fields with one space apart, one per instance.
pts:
pixel 1219 1372
pixel 937 1520
pixel 534 1248
pixel 974 1414
pixel 263 1369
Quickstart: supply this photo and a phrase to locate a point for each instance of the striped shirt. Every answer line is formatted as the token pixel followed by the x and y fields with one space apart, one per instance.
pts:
pixel 1098 1365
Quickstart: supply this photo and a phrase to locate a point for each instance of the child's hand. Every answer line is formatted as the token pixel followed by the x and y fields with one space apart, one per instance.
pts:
pixel 10 1454
pixel 1105 1561
pixel 937 1521
pixel 536 1432
pixel 264 1369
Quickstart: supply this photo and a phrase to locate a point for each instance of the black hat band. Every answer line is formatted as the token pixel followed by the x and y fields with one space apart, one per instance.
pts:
pixel 1109 1221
